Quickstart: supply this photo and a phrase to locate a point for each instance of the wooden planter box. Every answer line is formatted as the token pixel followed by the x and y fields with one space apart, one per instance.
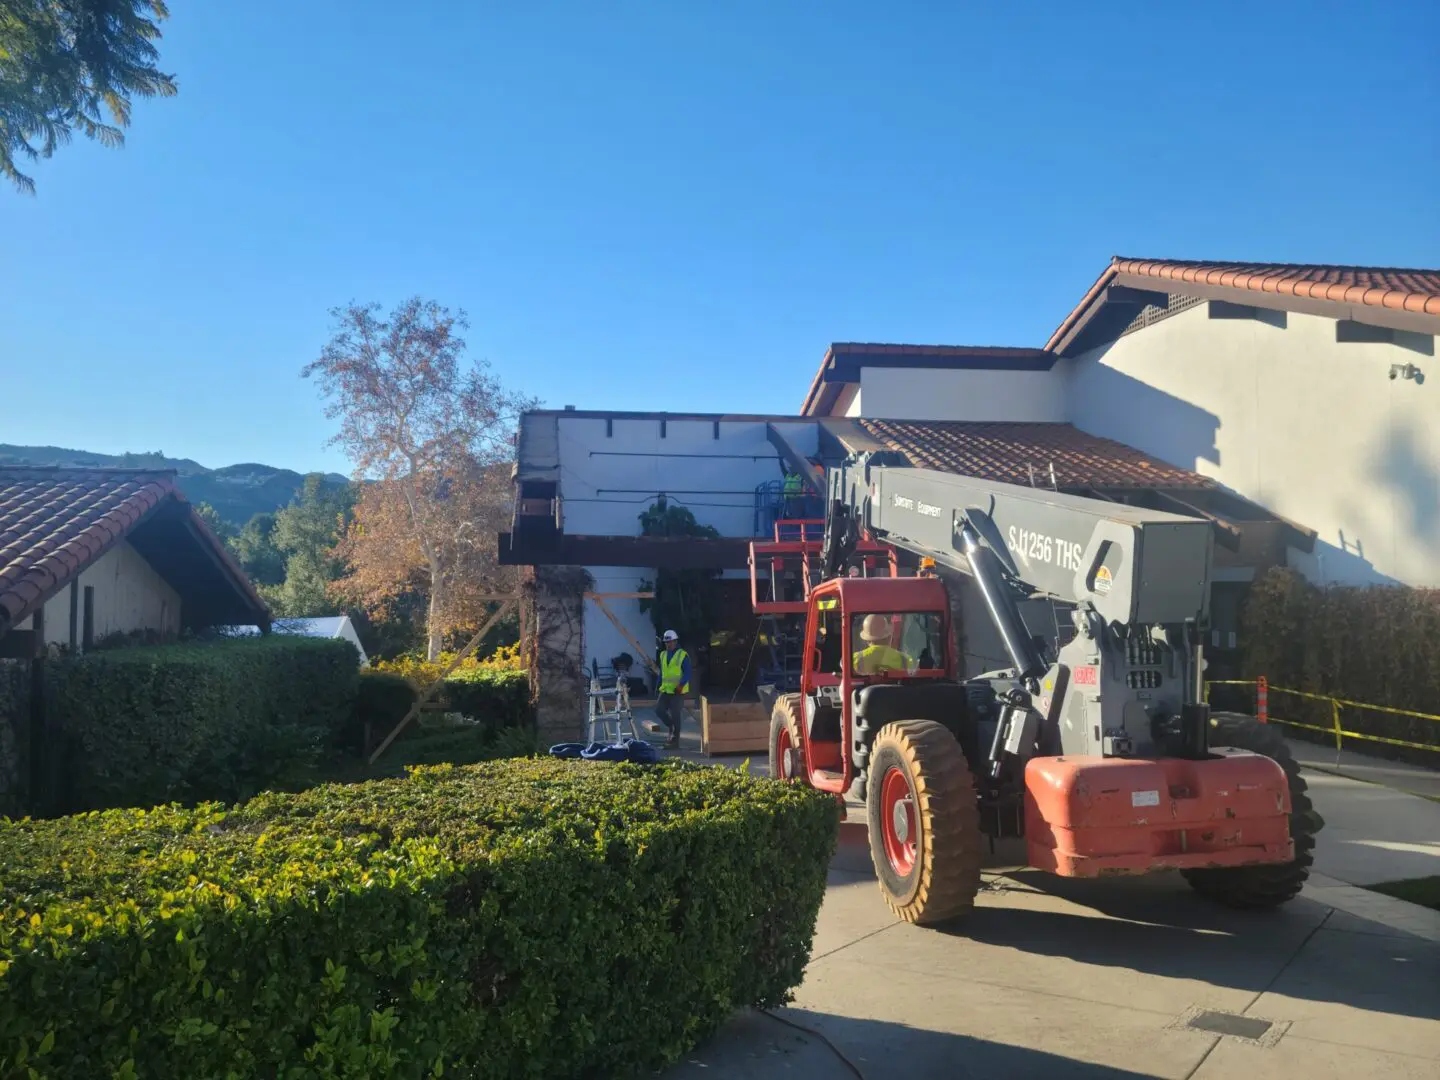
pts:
pixel 741 728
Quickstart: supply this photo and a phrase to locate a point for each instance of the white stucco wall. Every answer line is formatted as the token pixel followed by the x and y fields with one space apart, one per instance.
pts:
pixel 129 595
pixel 606 481
pixel 1311 428
pixel 939 394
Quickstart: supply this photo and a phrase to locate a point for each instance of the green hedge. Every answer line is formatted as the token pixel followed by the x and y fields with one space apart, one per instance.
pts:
pixel 1375 645
pixel 218 720
pixel 497 700
pixel 532 918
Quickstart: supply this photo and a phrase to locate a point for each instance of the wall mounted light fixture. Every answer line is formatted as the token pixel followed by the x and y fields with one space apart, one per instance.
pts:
pixel 1406 371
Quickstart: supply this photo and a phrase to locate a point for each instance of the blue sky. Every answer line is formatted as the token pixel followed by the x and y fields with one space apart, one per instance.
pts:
pixel 679 205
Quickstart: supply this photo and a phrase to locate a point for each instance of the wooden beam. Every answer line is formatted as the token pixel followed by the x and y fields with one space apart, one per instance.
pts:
pixel 1126 294
pixel 645 655
pixel 74 614
pixel 648 552
pixel 87 634
pixel 429 692
pixel 41 751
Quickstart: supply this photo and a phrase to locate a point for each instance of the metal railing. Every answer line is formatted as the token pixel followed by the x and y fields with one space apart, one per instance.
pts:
pixel 1263 690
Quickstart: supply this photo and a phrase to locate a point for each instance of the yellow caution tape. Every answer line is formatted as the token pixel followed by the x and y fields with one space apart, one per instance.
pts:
pixel 1335 704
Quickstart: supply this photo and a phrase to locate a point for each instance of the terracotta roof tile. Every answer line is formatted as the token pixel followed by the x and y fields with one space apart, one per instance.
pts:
pixel 1008 452
pixel 54 521
pixel 1393 288
pixel 1372 286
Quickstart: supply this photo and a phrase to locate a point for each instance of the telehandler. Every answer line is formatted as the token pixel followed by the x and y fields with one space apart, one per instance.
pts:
pixel 1098 751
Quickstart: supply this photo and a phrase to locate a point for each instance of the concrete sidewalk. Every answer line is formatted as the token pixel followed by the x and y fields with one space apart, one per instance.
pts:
pixel 1412 779
pixel 1053 978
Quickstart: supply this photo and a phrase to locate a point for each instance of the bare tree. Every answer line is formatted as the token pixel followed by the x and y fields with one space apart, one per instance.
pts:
pixel 428 433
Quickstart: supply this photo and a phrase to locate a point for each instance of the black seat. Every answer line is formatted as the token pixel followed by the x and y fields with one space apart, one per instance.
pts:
pixel 884 703
pixel 822 719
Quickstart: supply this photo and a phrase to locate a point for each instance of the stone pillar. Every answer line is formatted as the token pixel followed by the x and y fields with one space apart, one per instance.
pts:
pixel 558 682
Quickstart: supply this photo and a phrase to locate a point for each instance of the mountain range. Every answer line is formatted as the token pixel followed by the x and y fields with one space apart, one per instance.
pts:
pixel 237 492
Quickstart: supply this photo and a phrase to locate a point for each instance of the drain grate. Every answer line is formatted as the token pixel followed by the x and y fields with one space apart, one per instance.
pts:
pixel 1255 1030
pixel 1221 1023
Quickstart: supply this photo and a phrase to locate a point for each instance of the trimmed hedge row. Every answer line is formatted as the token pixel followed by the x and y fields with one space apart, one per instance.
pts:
pixel 218 720
pixel 534 918
pixel 1374 645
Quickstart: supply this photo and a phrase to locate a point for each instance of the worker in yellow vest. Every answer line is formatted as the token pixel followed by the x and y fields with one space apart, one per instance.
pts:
pixel 675 675
pixel 878 656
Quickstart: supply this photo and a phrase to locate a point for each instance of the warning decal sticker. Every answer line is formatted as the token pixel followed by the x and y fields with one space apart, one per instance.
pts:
pixel 1102 580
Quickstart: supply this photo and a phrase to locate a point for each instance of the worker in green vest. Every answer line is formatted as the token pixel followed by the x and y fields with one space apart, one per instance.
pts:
pixel 878 656
pixel 675 675
pixel 794 489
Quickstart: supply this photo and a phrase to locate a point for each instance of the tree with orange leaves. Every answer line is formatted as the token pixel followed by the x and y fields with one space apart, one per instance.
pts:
pixel 428 434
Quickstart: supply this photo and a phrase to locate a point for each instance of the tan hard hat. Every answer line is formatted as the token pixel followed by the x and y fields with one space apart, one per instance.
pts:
pixel 875 628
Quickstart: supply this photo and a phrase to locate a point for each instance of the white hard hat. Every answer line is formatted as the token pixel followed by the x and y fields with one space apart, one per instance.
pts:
pixel 670 635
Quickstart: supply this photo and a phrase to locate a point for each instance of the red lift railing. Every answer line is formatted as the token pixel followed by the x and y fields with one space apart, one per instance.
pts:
pixel 790 565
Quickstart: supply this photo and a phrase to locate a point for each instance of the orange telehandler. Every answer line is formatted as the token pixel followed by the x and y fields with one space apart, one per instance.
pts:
pixel 1098 750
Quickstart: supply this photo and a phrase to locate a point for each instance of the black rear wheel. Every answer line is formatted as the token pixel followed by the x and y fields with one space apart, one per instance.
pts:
pixel 924 822
pixel 1270 885
pixel 787 761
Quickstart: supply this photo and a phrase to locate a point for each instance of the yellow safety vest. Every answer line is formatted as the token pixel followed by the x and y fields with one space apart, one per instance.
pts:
pixel 672 670
pixel 876 658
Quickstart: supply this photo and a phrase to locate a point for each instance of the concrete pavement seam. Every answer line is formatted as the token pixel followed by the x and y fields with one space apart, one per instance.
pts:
pixel 856 941
pixel 972 981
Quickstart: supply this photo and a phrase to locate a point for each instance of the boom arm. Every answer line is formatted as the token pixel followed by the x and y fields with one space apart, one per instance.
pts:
pixel 1132 565
pixel 1139 581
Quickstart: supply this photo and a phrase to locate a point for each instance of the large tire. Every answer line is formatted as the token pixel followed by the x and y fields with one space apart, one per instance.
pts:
pixel 1266 886
pixel 787 761
pixel 924 822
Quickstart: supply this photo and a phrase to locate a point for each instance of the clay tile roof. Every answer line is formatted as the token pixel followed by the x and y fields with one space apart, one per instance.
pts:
pixel 1007 452
pixel 1373 286
pixel 1394 288
pixel 56 521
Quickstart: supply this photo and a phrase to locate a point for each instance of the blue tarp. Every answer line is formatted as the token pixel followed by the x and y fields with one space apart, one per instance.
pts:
pixel 636 750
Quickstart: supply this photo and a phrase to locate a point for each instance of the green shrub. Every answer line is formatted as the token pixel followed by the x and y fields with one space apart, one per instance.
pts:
pixel 497 700
pixel 1373 645
pixel 533 918
pixel 218 720
pixel 381 702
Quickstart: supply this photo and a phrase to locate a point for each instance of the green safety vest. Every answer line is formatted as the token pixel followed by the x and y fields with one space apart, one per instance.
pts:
pixel 672 670
pixel 793 484
pixel 874 659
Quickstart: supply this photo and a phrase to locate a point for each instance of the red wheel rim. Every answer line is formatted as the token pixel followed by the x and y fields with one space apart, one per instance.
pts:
pixel 899 824
pixel 783 748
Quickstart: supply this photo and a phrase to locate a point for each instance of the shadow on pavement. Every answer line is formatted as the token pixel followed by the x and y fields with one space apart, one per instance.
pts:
pixel 760 1046
pixel 1156 926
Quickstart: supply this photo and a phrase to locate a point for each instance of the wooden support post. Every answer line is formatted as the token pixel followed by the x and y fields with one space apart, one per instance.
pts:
pixel 429 691
pixel 41 753
pixel 75 615
pixel 87 636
